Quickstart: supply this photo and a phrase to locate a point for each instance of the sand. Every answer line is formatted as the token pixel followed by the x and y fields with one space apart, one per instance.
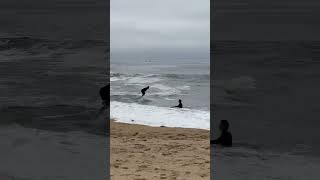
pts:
pixel 141 152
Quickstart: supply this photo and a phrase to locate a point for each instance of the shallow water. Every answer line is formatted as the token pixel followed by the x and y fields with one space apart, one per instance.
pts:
pixel 243 163
pixel 52 84
pixel 268 93
pixel 169 82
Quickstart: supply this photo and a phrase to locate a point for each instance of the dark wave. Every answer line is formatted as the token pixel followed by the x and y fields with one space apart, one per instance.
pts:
pixel 61 118
pixel 27 43
pixel 170 76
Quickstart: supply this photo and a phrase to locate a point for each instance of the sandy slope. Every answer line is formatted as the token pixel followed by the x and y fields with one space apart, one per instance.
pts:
pixel 141 152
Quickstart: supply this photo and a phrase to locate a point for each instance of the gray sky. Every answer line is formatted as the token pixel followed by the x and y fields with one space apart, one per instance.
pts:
pixel 160 25
pixel 54 19
pixel 266 20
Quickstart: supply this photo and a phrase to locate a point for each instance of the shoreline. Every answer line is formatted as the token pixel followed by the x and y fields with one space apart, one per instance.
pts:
pixel 145 152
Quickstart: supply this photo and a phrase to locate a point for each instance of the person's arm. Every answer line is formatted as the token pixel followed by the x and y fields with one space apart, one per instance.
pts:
pixel 216 141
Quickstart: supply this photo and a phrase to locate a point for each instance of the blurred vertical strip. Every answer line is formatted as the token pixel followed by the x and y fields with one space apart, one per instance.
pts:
pixel 107 57
pixel 211 84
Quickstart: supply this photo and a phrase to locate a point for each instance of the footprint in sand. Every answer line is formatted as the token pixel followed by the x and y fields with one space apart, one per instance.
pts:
pixel 135 134
pixel 163 176
pixel 143 166
pixel 203 175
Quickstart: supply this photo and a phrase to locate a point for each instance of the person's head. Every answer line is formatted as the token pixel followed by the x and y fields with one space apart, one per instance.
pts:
pixel 180 101
pixel 224 125
pixel 148 87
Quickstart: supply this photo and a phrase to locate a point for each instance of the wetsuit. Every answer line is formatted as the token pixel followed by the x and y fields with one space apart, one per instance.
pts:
pixel 105 94
pixel 143 91
pixel 225 139
pixel 179 106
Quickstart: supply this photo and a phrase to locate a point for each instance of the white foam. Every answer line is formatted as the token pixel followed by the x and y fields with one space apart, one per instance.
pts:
pixel 159 116
pixel 165 90
pixel 112 79
pixel 143 80
pixel 170 99
pixel 185 87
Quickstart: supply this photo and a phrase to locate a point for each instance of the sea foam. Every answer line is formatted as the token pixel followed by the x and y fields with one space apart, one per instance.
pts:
pixel 159 116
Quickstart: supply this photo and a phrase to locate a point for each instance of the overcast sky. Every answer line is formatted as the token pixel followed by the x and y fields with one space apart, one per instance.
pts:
pixel 266 20
pixel 160 25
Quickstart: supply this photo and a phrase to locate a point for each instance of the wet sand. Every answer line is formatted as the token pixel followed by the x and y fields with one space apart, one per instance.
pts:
pixel 144 153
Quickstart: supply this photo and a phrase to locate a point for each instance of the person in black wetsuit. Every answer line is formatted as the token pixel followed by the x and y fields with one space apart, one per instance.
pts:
pixel 105 94
pixel 225 138
pixel 179 105
pixel 143 91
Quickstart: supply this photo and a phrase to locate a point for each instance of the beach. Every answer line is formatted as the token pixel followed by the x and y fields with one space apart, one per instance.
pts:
pixel 149 140
pixel 143 152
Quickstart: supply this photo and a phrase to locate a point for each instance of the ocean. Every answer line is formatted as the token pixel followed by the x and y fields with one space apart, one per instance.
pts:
pixel 52 84
pixel 268 92
pixel 170 79
pixel 52 65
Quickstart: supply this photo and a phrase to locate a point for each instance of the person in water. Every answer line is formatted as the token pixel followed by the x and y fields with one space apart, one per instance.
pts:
pixel 105 94
pixel 179 105
pixel 143 91
pixel 225 138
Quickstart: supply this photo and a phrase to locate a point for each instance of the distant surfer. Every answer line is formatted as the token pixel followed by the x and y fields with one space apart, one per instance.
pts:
pixel 225 138
pixel 143 91
pixel 179 105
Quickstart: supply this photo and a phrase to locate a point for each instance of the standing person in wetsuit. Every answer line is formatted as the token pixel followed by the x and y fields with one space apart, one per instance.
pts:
pixel 225 138
pixel 105 94
pixel 105 97
pixel 143 91
pixel 179 105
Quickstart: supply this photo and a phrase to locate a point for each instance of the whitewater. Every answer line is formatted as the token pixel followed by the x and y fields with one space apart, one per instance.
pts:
pixel 189 82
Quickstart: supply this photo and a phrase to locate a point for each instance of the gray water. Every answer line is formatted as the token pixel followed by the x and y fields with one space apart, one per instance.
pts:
pixel 52 63
pixel 270 94
pixel 51 84
pixel 169 80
